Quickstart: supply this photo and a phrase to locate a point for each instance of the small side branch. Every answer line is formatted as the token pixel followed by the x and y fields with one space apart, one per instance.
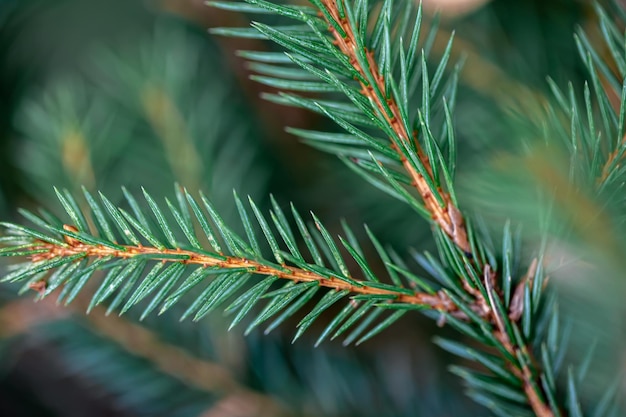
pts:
pixel 446 215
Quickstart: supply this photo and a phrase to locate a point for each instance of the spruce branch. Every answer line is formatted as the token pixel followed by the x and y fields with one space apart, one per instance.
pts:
pixel 374 86
pixel 350 67
pixel 76 251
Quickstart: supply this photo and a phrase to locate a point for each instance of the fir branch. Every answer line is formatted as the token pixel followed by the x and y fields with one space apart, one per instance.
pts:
pixel 346 59
pixel 475 297
pixel 74 253
pixel 374 87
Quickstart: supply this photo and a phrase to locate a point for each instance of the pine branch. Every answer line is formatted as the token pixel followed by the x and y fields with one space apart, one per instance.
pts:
pixel 75 252
pixel 373 86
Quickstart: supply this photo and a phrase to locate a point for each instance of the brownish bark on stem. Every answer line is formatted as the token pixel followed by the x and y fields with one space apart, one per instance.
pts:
pixel 436 301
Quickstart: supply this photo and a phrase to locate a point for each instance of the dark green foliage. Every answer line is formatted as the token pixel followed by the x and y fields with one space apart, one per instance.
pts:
pixel 366 67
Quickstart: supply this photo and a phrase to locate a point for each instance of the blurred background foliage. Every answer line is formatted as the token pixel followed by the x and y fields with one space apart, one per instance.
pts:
pixel 102 94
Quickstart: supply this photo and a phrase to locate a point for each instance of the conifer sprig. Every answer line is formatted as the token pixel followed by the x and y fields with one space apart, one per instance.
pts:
pixel 144 259
pixel 377 89
pixel 343 60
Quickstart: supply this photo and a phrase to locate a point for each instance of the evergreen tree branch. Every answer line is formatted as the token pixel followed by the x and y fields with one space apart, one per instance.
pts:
pixel 373 86
pixel 352 68
pixel 493 311
pixel 74 252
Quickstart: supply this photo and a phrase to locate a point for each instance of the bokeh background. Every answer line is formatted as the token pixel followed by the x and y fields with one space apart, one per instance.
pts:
pixel 104 94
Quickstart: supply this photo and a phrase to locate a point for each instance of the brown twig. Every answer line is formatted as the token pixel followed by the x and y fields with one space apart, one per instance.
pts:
pixel 72 247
